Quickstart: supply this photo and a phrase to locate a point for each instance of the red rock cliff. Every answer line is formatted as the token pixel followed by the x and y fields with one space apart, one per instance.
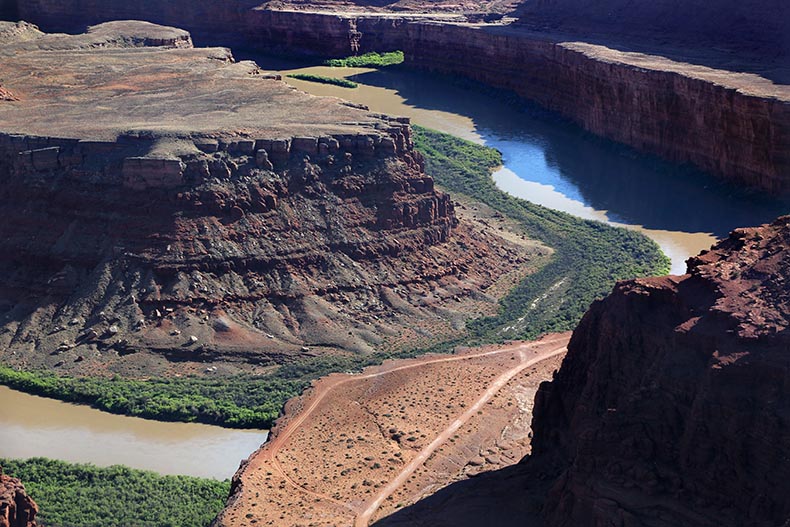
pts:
pixel 734 125
pixel 17 509
pixel 181 204
pixel 672 407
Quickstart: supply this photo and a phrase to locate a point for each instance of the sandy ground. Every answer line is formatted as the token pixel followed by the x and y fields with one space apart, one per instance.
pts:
pixel 356 448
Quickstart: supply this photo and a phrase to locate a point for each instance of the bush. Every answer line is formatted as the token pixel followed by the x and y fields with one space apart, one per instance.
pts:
pixel 241 401
pixel 368 60
pixel 589 256
pixel 345 83
pixel 72 495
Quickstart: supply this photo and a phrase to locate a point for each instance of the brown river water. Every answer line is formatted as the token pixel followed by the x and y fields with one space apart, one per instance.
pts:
pixel 546 161
pixel 35 426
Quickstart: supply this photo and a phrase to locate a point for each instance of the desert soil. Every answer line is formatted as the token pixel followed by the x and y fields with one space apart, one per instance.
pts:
pixel 358 447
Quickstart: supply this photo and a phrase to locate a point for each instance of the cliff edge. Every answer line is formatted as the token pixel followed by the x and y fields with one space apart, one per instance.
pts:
pixel 672 406
pixel 166 206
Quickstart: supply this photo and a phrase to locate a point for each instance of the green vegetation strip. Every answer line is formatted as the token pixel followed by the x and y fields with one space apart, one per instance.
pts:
pixel 70 495
pixel 345 83
pixel 368 60
pixel 243 401
pixel 589 257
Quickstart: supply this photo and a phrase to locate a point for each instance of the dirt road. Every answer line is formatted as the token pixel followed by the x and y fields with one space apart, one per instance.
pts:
pixel 390 434
pixel 363 519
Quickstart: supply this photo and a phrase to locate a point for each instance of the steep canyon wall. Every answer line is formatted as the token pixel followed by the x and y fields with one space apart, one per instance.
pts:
pixel 164 200
pixel 734 125
pixel 671 406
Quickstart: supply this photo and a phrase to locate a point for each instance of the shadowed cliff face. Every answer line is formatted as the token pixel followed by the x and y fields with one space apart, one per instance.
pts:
pixel 757 28
pixel 17 509
pixel 8 10
pixel 672 405
pixel 177 204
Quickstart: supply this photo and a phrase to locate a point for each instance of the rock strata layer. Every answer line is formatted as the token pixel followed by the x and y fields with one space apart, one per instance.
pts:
pixel 734 125
pixel 672 406
pixel 162 201
pixel 17 509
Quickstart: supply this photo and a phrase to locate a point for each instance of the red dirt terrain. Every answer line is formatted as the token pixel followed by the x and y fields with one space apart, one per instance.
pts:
pixel 670 408
pixel 358 447
pixel 662 77
pixel 17 509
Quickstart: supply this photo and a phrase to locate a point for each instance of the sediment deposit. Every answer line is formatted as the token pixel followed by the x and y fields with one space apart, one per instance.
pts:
pixel 17 509
pixel 671 406
pixel 734 125
pixel 167 206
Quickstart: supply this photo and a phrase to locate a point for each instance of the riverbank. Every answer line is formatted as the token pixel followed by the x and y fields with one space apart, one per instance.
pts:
pixel 32 426
pixel 587 259
pixel 685 112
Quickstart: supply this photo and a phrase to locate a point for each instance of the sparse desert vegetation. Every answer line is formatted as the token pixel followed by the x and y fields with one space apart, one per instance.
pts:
pixel 589 256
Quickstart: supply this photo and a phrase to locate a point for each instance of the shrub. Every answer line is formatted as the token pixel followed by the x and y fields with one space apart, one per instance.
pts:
pixel 345 83
pixel 368 60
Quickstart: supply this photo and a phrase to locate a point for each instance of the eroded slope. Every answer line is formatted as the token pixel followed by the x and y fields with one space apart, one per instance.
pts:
pixel 166 206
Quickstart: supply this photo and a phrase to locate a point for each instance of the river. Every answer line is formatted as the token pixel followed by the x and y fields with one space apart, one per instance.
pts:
pixel 554 163
pixel 546 161
pixel 35 426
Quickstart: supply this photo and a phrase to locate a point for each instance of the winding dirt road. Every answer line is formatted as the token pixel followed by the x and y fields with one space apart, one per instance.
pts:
pixel 363 507
pixel 363 519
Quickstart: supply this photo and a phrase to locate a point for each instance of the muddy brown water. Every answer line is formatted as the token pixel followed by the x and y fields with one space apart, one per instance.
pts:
pixel 554 163
pixel 33 426
pixel 546 161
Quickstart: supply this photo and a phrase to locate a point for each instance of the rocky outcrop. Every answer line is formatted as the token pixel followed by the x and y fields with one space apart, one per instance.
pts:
pixel 736 126
pixel 671 407
pixel 733 125
pixel 17 509
pixel 6 95
pixel 168 202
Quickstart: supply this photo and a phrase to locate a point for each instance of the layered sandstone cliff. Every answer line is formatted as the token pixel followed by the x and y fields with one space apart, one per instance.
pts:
pixel 17 509
pixel 734 125
pixel 162 201
pixel 672 406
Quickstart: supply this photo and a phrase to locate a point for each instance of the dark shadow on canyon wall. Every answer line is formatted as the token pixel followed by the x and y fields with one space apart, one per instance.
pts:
pixel 509 497
pixel 544 148
pixel 739 35
pixel 8 10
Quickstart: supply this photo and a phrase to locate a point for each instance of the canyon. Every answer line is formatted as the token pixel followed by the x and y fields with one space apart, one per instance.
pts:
pixel 157 224
pixel 171 211
pixel 356 448
pixel 690 108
